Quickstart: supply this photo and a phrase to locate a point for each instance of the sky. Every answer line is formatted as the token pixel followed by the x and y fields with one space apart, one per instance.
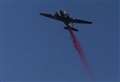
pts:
pixel 35 48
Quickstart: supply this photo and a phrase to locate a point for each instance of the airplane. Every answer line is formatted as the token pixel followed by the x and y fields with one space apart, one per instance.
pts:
pixel 64 17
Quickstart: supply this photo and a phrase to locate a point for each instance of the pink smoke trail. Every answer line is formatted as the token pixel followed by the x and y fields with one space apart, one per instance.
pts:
pixel 83 59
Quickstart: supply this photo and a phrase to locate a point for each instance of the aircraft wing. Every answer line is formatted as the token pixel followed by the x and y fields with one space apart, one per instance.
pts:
pixel 48 15
pixel 80 21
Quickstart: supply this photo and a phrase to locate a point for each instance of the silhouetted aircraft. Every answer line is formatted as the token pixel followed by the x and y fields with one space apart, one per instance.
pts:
pixel 64 17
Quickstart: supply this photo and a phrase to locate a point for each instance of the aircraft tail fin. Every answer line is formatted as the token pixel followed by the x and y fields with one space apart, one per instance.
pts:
pixel 71 28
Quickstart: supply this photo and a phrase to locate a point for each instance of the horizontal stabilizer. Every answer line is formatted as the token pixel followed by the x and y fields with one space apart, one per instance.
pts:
pixel 71 28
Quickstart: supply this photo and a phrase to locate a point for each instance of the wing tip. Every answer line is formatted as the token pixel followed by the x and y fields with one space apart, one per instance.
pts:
pixel 41 13
pixel 90 22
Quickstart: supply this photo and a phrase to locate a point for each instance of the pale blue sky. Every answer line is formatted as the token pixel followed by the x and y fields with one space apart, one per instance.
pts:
pixel 34 48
